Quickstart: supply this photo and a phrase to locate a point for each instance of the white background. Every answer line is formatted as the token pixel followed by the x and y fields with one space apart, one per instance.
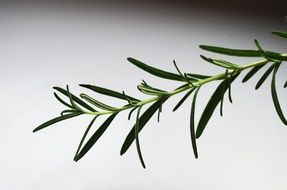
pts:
pixel 46 46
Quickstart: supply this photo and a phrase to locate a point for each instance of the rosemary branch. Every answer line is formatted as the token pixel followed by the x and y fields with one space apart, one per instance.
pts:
pixel 192 83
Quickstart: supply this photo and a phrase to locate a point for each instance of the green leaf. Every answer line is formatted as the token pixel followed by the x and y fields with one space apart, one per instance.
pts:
pixel 279 33
pixel 75 106
pixel 150 90
pixel 275 97
pixel 264 76
pixel 232 52
pixel 108 92
pixel 220 63
pixel 261 51
pixel 252 72
pixel 275 56
pixel 242 53
pixel 211 105
pixel 272 56
pixel 285 85
pixel 75 98
pixel 184 76
pixel 85 135
pixel 145 117
pixel 221 106
pixel 183 99
pixel 69 111
pixel 192 126
pixel 155 71
pixel 97 103
pixel 62 101
pixel 159 111
pixel 197 76
pixel 94 138
pixel 137 126
pixel 55 120
pixel 130 113
pixel 229 87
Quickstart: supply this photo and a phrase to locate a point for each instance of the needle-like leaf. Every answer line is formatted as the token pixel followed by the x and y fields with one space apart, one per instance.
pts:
pixel 108 92
pixel 192 126
pixel 75 98
pixel 220 63
pixel 145 117
pixel 85 135
pixel 155 71
pixel 211 105
pixel 159 111
pixel 242 53
pixel 274 95
pixel 279 33
pixel 150 90
pixel 75 106
pixel 232 52
pixel 130 113
pixel 184 76
pixel 252 72
pixel 197 76
pixel 99 132
pixel 97 103
pixel 221 106
pixel 68 111
pixel 183 99
pixel 264 76
pixel 222 98
pixel 137 125
pixel 272 56
pixel 61 100
pixel 229 87
pixel 261 51
pixel 55 120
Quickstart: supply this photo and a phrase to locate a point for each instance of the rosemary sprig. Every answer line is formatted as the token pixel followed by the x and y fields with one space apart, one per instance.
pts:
pixel 87 105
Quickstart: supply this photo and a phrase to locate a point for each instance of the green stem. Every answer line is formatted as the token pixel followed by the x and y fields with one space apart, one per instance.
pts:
pixel 182 89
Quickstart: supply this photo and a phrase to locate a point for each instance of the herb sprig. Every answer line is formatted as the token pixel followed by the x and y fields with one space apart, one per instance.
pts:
pixel 86 105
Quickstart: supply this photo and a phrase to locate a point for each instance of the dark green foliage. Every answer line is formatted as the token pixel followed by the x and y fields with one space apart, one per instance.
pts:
pixel 137 126
pixel 232 52
pixel 274 95
pixel 197 76
pixel 183 99
pixel 242 53
pixel 252 72
pixel 56 120
pixel 108 92
pixel 155 71
pixel 264 76
pixel 279 33
pixel 62 101
pixel 74 98
pixel 211 105
pixel 131 112
pixel 84 136
pixel 145 117
pixel 99 132
pixel 192 126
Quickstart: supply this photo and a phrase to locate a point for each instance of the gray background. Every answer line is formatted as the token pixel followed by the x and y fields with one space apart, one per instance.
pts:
pixel 53 44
